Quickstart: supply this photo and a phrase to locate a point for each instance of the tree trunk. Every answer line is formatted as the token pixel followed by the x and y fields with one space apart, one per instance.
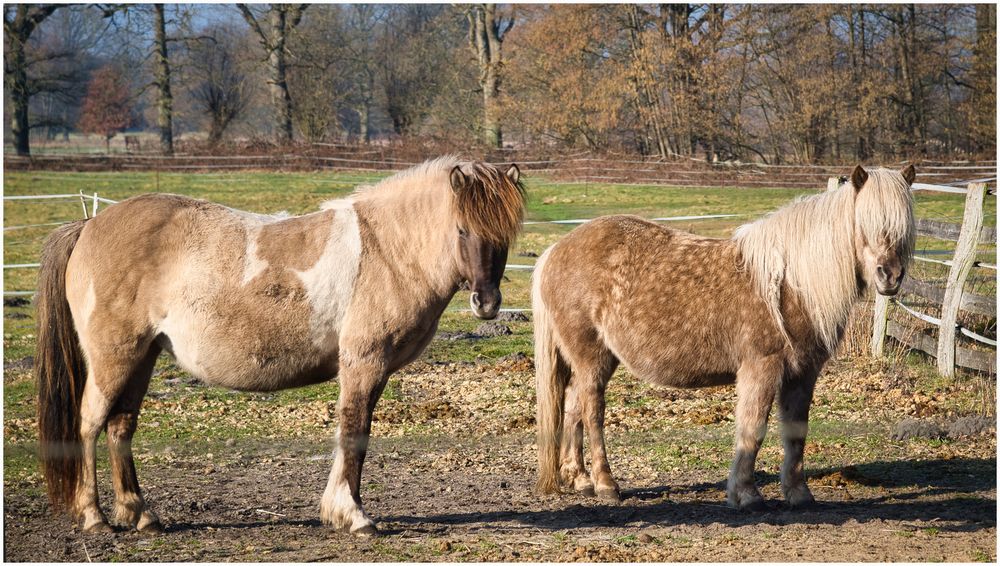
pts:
pixel 491 113
pixel 215 130
pixel 486 41
pixel 364 116
pixel 280 97
pixel 165 102
pixel 644 87
pixel 16 34
pixel 19 96
pixel 984 72
pixel 283 19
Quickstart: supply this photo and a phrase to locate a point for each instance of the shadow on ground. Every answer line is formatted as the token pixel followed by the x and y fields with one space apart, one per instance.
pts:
pixel 940 490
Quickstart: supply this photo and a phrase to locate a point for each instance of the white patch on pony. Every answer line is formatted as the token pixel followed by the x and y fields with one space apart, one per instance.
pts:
pixel 329 283
pixel 94 407
pixel 185 342
pixel 337 506
pixel 252 264
pixel 340 203
pixel 89 304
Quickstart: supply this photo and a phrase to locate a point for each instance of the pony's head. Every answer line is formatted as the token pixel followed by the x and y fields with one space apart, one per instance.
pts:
pixel 489 210
pixel 884 227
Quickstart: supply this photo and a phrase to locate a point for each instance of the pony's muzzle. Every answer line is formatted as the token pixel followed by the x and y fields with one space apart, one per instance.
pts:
pixel 888 279
pixel 486 305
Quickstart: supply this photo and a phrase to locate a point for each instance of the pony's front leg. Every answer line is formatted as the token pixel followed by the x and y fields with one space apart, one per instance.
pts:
pixel 756 385
pixel 794 400
pixel 360 387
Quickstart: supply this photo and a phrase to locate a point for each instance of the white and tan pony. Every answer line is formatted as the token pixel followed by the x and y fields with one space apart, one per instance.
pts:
pixel 255 303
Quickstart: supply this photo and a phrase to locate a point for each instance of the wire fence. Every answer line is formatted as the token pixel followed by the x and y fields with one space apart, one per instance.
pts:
pixel 582 167
pixel 90 204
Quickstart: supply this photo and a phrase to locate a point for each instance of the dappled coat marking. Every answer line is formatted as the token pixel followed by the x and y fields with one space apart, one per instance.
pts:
pixel 258 303
pixel 765 309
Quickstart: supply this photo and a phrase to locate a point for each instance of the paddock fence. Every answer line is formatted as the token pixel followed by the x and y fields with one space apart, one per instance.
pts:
pixel 951 299
pixel 580 167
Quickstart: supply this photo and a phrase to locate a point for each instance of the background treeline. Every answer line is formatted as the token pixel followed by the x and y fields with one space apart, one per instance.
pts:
pixel 778 83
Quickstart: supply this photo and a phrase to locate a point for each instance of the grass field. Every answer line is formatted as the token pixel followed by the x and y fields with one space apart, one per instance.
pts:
pixel 465 412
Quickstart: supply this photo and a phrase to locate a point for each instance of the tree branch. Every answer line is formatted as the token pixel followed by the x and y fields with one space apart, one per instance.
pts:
pixel 254 25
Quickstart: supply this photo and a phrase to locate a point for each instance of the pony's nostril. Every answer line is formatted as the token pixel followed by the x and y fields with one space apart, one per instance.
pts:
pixel 475 300
pixel 881 272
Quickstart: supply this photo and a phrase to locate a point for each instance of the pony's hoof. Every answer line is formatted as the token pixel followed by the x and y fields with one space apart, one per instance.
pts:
pixel 151 528
pixel 98 527
pixel 800 499
pixel 802 504
pixel 747 500
pixel 583 486
pixel 754 506
pixel 609 494
pixel 368 530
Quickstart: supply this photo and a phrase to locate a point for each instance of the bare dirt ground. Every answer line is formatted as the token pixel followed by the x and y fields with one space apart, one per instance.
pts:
pixel 451 469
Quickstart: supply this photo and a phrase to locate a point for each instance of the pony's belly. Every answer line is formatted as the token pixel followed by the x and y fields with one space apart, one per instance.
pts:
pixel 680 361
pixel 247 362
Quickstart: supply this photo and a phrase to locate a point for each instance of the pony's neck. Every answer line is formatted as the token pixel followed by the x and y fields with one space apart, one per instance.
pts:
pixel 807 246
pixel 414 229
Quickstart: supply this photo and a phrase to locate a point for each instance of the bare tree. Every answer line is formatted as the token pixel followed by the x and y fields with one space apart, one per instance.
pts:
pixel 486 35
pixel 273 37
pixel 165 100
pixel 60 59
pixel 222 91
pixel 19 21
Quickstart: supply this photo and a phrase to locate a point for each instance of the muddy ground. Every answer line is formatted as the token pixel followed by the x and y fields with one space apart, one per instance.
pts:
pixel 450 474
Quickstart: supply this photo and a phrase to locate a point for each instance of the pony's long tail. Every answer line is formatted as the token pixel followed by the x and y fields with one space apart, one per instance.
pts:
pixel 551 378
pixel 60 370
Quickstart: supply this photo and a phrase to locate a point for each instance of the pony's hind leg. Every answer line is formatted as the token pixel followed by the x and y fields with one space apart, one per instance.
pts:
pixel 794 400
pixel 591 379
pixel 130 508
pixel 109 372
pixel 756 384
pixel 94 408
pixel 572 470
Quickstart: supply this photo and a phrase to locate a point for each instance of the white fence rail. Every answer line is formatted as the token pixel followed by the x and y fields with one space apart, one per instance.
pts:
pixel 95 200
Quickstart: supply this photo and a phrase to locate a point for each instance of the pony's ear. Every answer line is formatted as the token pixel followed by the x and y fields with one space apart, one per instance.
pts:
pixel 909 174
pixel 858 177
pixel 513 173
pixel 458 181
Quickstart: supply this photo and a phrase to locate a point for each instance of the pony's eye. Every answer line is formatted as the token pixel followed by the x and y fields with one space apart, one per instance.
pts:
pixel 462 233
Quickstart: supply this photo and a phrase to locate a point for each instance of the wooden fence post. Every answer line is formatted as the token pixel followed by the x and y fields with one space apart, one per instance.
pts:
pixel 879 323
pixel 965 257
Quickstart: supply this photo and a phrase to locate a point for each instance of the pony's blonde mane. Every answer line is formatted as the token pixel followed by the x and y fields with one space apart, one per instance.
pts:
pixel 810 246
pixel 490 206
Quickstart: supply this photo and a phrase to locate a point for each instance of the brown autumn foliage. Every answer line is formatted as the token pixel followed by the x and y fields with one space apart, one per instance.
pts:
pixel 783 83
pixel 107 109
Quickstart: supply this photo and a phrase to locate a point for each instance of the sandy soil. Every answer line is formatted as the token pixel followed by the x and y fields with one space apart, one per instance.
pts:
pixel 449 499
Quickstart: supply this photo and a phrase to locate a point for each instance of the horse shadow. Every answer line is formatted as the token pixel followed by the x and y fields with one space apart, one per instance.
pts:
pixel 182 527
pixel 949 491
pixel 928 485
